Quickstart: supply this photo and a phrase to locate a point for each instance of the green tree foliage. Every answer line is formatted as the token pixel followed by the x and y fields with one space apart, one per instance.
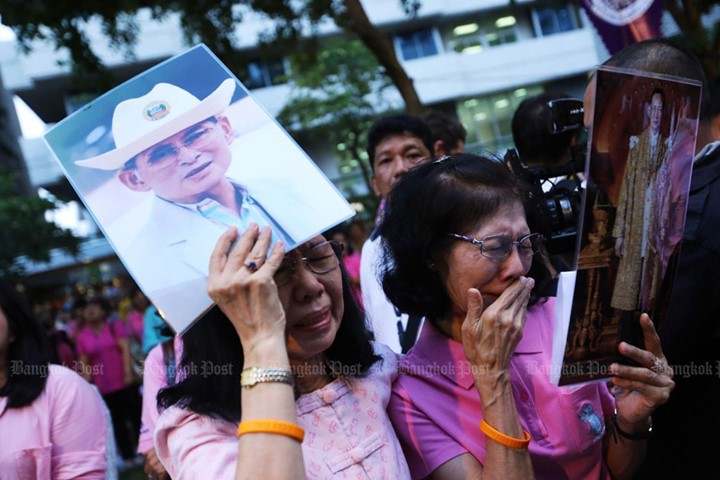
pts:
pixel 337 99
pixel 210 21
pixel 704 42
pixel 25 230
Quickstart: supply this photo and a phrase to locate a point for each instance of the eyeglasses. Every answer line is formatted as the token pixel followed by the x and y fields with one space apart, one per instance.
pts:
pixel 320 259
pixel 166 154
pixel 498 247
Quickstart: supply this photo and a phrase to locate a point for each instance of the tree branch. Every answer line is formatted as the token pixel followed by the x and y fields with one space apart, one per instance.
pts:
pixel 381 47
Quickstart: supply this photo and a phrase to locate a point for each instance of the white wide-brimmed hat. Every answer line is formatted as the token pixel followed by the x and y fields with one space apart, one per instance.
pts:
pixel 139 123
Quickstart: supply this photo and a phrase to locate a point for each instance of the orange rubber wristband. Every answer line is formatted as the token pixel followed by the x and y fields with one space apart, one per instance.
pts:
pixel 271 426
pixel 503 439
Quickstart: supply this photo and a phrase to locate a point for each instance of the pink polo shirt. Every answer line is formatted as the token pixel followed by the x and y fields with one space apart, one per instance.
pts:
pixel 436 409
pixel 61 435
pixel 105 360
pixel 155 378
pixel 348 434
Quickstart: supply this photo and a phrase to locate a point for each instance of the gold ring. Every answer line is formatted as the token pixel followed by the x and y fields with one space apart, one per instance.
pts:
pixel 251 265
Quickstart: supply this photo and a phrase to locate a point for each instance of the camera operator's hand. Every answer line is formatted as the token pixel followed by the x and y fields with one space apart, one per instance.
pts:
pixel 619 247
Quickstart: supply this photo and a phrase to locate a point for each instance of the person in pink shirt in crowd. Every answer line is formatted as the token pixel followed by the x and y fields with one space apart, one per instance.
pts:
pixel 134 320
pixel 135 325
pixel 52 422
pixel 159 372
pixel 287 354
pixel 77 322
pixel 104 356
pixel 474 397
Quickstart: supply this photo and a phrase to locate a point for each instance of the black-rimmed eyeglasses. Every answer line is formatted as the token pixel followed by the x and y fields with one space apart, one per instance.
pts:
pixel 322 258
pixel 498 247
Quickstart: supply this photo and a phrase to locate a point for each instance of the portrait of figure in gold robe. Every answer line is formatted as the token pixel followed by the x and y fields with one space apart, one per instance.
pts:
pixel 641 143
pixel 635 230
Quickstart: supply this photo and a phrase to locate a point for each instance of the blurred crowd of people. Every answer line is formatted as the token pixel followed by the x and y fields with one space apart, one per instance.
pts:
pixel 105 335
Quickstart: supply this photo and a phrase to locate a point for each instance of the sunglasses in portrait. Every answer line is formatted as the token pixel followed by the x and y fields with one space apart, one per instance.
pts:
pixel 167 153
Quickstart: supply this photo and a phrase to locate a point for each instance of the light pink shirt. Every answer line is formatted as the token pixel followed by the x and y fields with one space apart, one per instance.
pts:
pixel 347 433
pixel 436 409
pixel 61 435
pixel 154 379
pixel 104 356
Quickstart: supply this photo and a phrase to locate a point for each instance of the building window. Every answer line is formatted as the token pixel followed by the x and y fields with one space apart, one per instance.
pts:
pixel 488 119
pixel 473 37
pixel 265 73
pixel 551 20
pixel 417 44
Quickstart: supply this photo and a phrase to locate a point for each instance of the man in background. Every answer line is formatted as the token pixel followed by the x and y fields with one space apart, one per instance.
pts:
pixel 448 135
pixel 533 136
pixel 543 145
pixel 395 144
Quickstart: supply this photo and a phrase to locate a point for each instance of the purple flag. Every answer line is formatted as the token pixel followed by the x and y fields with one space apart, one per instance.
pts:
pixel 622 22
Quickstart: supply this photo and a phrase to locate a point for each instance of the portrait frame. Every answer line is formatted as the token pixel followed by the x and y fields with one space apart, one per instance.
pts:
pixel 166 245
pixel 638 173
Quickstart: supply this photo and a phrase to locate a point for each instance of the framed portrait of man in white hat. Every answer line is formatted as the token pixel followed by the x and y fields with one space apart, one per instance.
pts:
pixel 171 159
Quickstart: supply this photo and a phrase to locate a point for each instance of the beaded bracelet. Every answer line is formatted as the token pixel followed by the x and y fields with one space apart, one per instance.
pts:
pixel 503 439
pixel 271 426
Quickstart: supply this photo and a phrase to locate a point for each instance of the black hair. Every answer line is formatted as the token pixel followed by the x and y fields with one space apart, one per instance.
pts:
pixel 452 195
pixel 394 125
pixel 101 302
pixel 445 128
pixel 532 131
pixel 342 229
pixel 658 91
pixel 28 353
pixel 213 342
pixel 664 57
pixel 79 303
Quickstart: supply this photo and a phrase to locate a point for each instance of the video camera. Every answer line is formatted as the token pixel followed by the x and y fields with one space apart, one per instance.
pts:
pixel 560 205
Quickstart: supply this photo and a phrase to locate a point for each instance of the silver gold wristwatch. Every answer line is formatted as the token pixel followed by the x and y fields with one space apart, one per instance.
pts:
pixel 254 375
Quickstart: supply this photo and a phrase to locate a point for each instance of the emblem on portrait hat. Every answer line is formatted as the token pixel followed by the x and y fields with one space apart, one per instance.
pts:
pixel 156 110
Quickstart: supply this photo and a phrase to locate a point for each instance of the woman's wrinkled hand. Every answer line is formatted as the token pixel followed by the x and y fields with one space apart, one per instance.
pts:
pixel 490 336
pixel 241 284
pixel 640 390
